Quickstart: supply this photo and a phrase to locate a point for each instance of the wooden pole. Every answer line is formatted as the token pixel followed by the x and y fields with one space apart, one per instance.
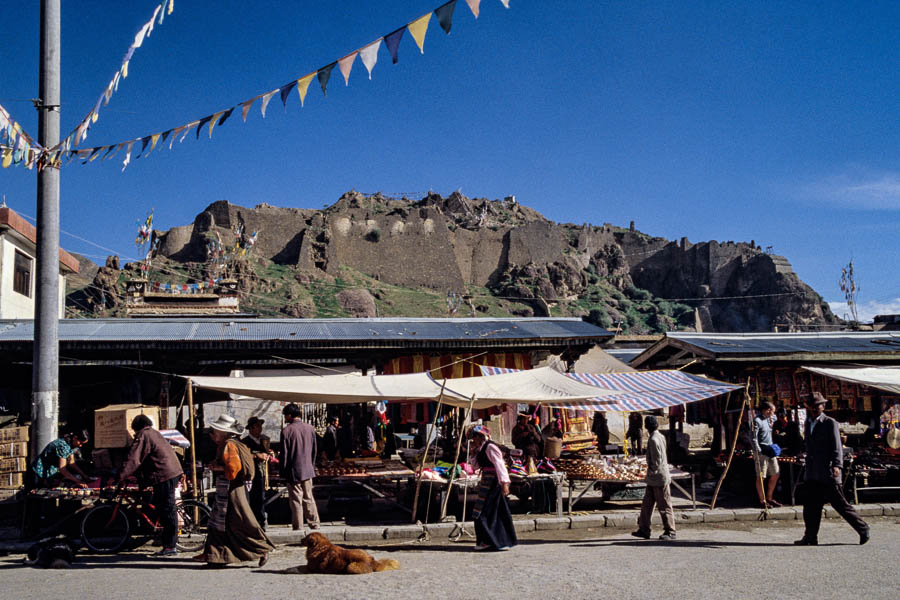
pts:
pixel 427 448
pixel 462 433
pixel 737 431
pixel 190 397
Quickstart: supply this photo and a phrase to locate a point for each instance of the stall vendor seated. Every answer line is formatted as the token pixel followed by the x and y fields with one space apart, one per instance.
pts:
pixel 56 462
pixel 527 438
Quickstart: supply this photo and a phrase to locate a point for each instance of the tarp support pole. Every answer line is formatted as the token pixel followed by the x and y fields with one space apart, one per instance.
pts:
pixel 190 398
pixel 462 433
pixel 428 437
pixel 737 431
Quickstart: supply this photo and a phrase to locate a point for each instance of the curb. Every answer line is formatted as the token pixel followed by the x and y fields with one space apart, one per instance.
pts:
pixel 625 519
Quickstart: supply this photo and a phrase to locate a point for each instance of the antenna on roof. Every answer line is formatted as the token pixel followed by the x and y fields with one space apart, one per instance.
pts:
pixel 3 203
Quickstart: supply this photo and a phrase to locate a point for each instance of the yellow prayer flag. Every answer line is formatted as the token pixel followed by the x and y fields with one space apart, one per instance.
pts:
pixel 94 116
pixel 171 7
pixel 7 158
pixel 417 29
pixel 303 85
pixel 154 139
pixel 125 69
pixel 214 120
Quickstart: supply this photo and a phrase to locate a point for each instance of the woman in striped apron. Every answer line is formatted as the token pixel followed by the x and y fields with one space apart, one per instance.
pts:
pixel 493 520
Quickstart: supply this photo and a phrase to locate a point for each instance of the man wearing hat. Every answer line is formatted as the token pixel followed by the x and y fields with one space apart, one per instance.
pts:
pixel 657 480
pixel 298 441
pixel 822 480
pixel 259 446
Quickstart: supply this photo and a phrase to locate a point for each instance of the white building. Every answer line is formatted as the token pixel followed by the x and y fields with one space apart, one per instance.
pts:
pixel 17 268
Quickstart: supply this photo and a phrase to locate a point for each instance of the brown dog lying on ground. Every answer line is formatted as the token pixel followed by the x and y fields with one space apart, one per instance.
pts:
pixel 324 557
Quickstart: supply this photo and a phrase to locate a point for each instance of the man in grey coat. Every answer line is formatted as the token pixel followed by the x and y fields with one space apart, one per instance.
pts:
pixel 658 479
pixel 822 474
pixel 298 444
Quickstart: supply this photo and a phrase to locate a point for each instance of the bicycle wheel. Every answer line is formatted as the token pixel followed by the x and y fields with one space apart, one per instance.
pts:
pixel 105 528
pixel 193 517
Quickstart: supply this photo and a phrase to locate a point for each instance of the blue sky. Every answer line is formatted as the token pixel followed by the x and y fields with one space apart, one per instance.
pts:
pixel 768 121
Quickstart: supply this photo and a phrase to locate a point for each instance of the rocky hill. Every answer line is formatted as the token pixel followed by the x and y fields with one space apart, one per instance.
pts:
pixel 373 255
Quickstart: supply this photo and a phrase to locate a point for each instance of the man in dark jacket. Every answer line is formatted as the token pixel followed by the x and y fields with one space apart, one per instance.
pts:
pixel 298 444
pixel 154 459
pixel 822 474
pixel 259 447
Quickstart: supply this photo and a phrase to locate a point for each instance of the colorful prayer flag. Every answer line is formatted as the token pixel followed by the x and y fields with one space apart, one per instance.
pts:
pixel 444 14
pixel 392 41
pixel 369 55
pixel 418 28
pixel 345 65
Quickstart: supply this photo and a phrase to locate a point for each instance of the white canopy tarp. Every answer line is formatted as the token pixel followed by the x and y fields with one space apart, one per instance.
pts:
pixel 883 378
pixel 530 387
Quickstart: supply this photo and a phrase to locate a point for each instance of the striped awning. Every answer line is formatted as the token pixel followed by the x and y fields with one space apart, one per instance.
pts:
pixel 174 437
pixel 640 390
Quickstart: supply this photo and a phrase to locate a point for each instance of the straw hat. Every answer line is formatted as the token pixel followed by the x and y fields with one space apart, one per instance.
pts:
pixel 226 423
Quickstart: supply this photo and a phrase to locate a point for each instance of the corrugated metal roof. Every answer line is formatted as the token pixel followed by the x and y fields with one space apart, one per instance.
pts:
pixel 259 330
pixel 791 343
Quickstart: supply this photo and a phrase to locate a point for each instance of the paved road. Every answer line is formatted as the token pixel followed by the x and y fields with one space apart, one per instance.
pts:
pixel 722 563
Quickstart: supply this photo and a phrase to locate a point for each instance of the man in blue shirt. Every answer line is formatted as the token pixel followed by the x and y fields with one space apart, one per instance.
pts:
pixel 766 462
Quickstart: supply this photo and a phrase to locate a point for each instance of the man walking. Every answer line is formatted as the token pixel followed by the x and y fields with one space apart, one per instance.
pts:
pixel 658 479
pixel 153 457
pixel 298 440
pixel 822 475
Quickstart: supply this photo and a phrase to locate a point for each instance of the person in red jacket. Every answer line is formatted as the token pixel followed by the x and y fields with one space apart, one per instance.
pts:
pixel 154 459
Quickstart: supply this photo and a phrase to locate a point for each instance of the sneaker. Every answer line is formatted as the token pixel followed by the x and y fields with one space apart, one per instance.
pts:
pixel 667 537
pixel 481 547
pixel 166 552
pixel 641 534
pixel 807 542
pixel 502 548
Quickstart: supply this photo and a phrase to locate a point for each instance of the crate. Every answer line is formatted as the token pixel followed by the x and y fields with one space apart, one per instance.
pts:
pixel 12 480
pixel 112 424
pixel 9 449
pixel 13 465
pixel 14 434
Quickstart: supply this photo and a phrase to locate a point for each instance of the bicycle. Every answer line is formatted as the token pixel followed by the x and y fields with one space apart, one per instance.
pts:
pixel 122 517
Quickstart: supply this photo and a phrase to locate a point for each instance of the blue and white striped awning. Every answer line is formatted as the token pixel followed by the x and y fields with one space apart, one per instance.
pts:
pixel 640 390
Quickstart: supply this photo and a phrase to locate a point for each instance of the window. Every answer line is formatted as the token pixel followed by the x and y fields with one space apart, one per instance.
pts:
pixel 22 274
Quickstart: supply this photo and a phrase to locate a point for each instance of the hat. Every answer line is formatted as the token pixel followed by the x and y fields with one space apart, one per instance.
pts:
pixel 254 421
pixel 892 438
pixel 816 398
pixel 480 429
pixel 226 423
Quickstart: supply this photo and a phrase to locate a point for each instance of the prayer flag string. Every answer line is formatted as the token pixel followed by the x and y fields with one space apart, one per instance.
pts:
pixel 368 55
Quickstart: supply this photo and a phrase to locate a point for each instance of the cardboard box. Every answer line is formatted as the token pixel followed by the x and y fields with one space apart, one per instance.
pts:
pixel 13 465
pixel 14 434
pixel 12 480
pixel 112 424
pixel 13 449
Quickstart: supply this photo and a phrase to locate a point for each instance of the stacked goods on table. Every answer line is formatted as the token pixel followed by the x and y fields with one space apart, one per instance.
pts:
pixel 340 470
pixel 632 469
pixel 13 460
